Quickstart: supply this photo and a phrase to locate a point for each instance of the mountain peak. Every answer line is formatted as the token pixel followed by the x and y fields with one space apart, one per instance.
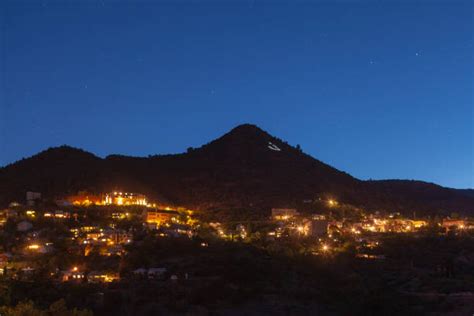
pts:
pixel 246 127
pixel 247 130
pixel 248 138
pixel 245 168
pixel 66 151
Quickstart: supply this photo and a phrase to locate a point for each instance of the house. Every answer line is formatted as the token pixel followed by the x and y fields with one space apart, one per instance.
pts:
pixel 4 258
pixel 457 223
pixel 152 273
pixel 318 227
pixel 63 202
pixel 85 199
pixel 24 226
pixel 283 213
pixel 61 214
pixel 102 277
pixel 39 248
pixel 118 236
pixel 419 223
pixel 156 273
pixel 113 250
pixel 124 198
pixel 3 218
pixel 159 217
pixel 9 213
pixel 72 275
pixel 140 271
pixel 32 198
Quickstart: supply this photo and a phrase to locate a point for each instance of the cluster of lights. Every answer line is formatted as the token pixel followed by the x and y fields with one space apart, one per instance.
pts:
pixel 59 215
pixel 121 198
pixel 33 247
pixel 302 230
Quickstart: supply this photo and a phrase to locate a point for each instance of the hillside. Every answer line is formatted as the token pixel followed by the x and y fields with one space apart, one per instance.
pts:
pixel 245 168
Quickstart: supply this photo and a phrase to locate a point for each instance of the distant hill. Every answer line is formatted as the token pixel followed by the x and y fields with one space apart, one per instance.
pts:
pixel 244 169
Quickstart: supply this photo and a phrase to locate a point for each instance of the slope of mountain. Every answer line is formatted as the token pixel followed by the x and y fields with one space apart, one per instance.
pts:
pixel 245 168
pixel 61 170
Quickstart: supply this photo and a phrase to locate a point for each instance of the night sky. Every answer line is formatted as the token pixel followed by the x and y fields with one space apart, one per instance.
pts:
pixel 381 89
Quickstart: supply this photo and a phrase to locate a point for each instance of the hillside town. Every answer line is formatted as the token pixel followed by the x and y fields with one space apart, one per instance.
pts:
pixel 89 238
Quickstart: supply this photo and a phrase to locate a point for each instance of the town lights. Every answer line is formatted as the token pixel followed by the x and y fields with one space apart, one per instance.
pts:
pixel 33 247
pixel 74 269
pixel 325 248
pixel 332 202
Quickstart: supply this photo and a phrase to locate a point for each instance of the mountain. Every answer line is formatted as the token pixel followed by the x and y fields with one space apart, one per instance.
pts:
pixel 244 169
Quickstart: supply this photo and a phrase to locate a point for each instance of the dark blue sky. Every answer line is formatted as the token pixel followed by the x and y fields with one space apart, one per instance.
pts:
pixel 378 89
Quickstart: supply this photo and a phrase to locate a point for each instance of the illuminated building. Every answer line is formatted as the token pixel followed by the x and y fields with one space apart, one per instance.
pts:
pixel 370 256
pixel 111 198
pixel 3 218
pixel 73 275
pixel 102 277
pixel 85 199
pixel 457 223
pixel 283 213
pixel 38 248
pixel 94 236
pixel 118 215
pixel 419 224
pixel 160 216
pixel 124 198
pixel 33 247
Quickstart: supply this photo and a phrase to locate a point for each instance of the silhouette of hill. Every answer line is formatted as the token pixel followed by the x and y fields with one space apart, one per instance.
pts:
pixel 244 169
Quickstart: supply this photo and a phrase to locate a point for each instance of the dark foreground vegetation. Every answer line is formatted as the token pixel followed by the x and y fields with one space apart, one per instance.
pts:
pixel 422 274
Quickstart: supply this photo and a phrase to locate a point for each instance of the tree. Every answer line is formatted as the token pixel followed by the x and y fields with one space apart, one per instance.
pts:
pixel 28 308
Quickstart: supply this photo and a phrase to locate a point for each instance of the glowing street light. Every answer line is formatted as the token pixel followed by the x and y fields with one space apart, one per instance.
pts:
pixel 33 247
